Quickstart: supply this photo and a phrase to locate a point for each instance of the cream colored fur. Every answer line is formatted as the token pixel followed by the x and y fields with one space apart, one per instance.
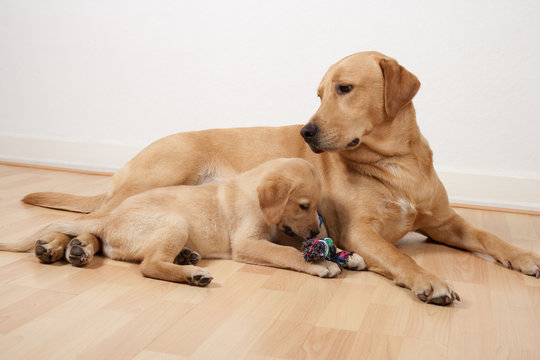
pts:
pixel 235 218
pixel 377 174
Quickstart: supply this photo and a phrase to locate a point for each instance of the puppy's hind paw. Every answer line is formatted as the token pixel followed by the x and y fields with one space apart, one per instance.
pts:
pixel 187 257
pixel 80 250
pixel 51 247
pixel 200 277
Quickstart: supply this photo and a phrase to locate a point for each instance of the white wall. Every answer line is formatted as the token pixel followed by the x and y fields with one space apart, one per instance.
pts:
pixel 74 74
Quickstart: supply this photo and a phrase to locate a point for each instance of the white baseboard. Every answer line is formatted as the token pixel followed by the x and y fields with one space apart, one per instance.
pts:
pixel 463 188
pixel 492 191
pixel 65 154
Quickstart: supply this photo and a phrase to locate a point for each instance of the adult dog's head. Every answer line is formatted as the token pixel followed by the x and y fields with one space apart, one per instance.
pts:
pixel 289 195
pixel 358 93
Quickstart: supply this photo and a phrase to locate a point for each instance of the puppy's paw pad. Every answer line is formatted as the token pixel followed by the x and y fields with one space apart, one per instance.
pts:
pixel 354 262
pixel 48 252
pixel 201 278
pixel 76 253
pixel 187 257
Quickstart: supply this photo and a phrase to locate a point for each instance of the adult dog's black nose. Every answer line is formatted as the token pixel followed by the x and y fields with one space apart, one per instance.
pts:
pixel 309 131
pixel 314 233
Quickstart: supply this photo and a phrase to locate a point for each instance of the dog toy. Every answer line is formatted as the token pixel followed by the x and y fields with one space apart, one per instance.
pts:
pixel 318 249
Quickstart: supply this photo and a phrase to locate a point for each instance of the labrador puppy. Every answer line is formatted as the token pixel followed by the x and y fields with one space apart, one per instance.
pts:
pixel 167 227
pixel 378 180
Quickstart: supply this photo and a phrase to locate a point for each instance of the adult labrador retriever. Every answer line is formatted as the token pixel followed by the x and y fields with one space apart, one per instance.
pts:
pixel 377 174
pixel 166 227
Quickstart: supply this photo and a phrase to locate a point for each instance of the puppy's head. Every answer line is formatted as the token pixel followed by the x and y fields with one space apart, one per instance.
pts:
pixel 289 196
pixel 357 94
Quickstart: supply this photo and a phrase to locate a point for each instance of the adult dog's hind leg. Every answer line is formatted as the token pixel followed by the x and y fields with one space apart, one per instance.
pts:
pixel 455 231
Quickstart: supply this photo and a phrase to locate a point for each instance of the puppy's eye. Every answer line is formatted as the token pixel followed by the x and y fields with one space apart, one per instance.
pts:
pixel 344 89
pixel 304 207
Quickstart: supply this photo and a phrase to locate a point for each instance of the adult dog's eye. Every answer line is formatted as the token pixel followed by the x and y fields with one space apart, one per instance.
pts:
pixel 304 206
pixel 344 89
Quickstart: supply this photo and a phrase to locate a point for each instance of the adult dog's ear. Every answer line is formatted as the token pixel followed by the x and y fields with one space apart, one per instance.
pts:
pixel 274 192
pixel 400 86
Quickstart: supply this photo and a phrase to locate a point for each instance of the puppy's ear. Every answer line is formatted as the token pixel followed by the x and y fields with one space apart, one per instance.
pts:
pixel 400 86
pixel 274 192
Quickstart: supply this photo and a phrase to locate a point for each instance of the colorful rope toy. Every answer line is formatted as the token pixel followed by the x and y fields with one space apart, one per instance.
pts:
pixel 318 249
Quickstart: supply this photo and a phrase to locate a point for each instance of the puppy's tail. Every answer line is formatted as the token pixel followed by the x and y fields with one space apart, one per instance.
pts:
pixel 69 202
pixel 72 228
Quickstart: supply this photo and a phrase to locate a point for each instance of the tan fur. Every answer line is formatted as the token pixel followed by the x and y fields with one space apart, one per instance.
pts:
pixel 377 174
pixel 83 204
pixel 234 218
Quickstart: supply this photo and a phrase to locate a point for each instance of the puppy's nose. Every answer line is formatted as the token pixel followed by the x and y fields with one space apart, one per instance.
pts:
pixel 314 233
pixel 309 131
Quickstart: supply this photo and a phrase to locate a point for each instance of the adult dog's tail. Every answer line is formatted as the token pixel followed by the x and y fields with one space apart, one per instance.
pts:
pixel 69 202
pixel 72 228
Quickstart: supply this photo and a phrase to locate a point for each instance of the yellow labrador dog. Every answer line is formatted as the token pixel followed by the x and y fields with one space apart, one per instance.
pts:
pixel 377 174
pixel 236 217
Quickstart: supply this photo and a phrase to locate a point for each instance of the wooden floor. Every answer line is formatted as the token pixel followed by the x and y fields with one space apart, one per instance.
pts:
pixel 107 310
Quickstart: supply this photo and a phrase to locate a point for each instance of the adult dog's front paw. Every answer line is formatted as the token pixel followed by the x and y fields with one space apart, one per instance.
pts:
pixel 430 289
pixel 523 261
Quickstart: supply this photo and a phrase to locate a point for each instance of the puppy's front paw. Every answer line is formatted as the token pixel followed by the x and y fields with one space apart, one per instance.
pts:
pixel 325 269
pixel 50 248
pixel 354 262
